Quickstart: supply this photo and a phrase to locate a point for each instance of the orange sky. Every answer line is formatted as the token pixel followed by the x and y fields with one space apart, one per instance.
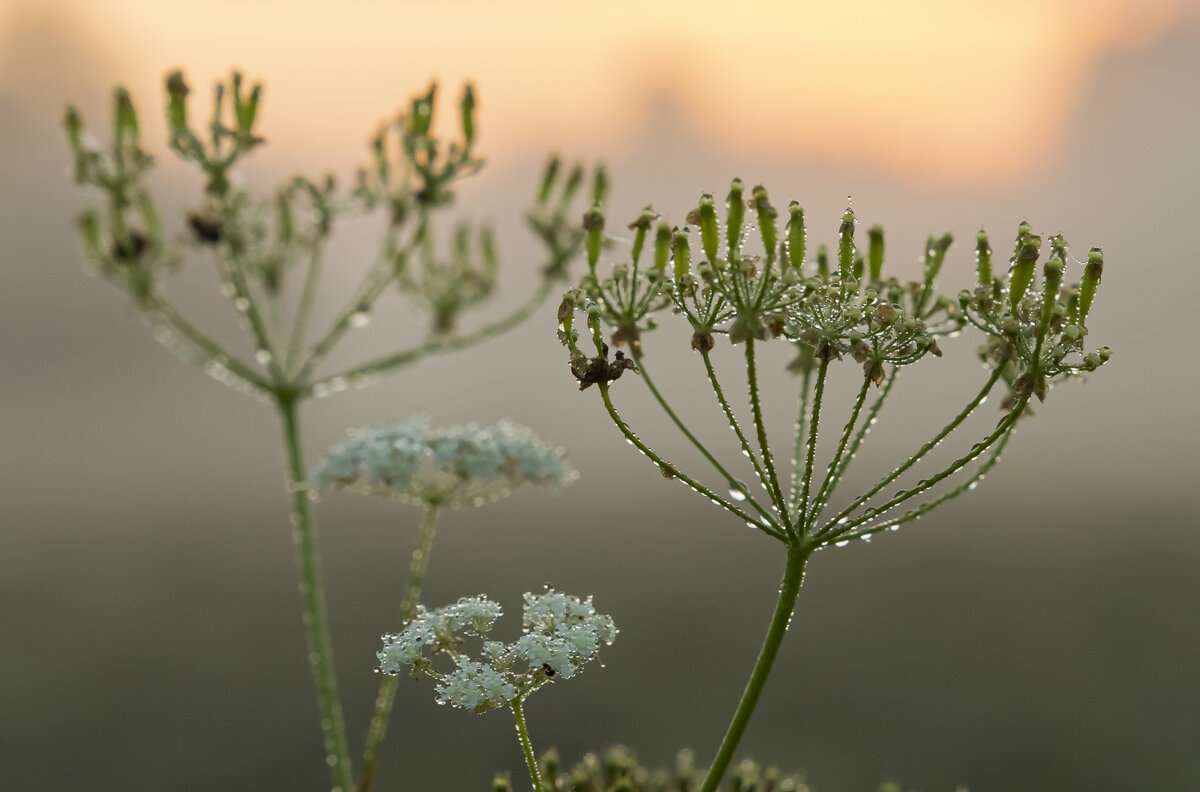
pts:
pixel 934 90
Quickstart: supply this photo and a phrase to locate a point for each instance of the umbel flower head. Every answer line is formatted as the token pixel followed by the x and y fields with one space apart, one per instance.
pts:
pixel 416 463
pixel 561 634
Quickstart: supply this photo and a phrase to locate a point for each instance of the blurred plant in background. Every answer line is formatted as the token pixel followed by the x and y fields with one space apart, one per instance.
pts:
pixel 256 243
pixel 842 307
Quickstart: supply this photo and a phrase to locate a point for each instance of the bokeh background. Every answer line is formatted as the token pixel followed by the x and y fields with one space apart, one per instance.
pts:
pixel 1039 635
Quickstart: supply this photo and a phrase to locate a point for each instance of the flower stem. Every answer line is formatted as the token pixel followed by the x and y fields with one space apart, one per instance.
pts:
pixel 760 426
pixel 440 344
pixel 526 746
pixel 789 588
pixel 387 688
pixel 316 620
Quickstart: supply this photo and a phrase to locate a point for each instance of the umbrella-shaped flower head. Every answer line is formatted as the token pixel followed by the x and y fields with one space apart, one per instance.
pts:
pixel 453 466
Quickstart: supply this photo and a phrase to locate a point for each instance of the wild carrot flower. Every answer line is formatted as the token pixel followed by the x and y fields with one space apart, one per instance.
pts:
pixel 561 634
pixel 458 465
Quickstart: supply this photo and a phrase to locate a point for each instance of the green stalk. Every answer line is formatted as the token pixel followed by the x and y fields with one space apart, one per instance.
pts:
pixel 308 296
pixel 160 313
pixel 814 425
pixel 526 746
pixel 408 609
pixel 316 620
pixel 789 588
pixel 671 471
pixel 925 449
pixel 798 446
pixel 759 425
pixel 439 345
pixel 835 468
pixel 696 442
pixel 747 449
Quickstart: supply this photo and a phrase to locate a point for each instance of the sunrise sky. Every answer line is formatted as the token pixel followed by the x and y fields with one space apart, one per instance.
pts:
pixel 931 90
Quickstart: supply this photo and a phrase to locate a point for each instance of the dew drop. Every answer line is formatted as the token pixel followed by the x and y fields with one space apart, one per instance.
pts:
pixel 262 356
pixel 737 491
pixel 242 304
pixel 841 543
pixel 360 319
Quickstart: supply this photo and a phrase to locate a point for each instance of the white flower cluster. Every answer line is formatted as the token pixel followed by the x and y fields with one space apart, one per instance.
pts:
pixel 454 466
pixel 436 629
pixel 561 634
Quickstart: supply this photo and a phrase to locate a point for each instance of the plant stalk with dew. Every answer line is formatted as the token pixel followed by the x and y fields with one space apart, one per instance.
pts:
pixel 256 244
pixel 843 307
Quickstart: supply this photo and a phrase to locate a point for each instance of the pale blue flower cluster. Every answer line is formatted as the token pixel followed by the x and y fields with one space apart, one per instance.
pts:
pixel 453 466
pixel 561 634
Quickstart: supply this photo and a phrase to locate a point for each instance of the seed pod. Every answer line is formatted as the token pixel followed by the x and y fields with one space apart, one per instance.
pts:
pixel 593 224
pixel 1091 279
pixel 125 122
pixel 846 244
pixel 935 255
pixel 766 220
pixel 467 111
pixel 709 235
pixel 1021 274
pixel 875 251
pixel 421 118
pixel 600 185
pixel 549 176
pixel 796 235
pixel 983 258
pixel 177 91
pixel 662 247
pixel 735 212
pixel 640 227
pixel 683 254
pixel 823 263
pixel 1052 276
pixel 574 179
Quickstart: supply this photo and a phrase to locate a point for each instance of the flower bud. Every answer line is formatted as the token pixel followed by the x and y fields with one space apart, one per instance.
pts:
pixel 1091 279
pixel 875 251
pixel 795 235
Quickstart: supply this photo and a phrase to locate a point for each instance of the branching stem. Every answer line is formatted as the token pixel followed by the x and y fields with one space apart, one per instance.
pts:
pixel 316 619
pixel 387 687
pixel 789 588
